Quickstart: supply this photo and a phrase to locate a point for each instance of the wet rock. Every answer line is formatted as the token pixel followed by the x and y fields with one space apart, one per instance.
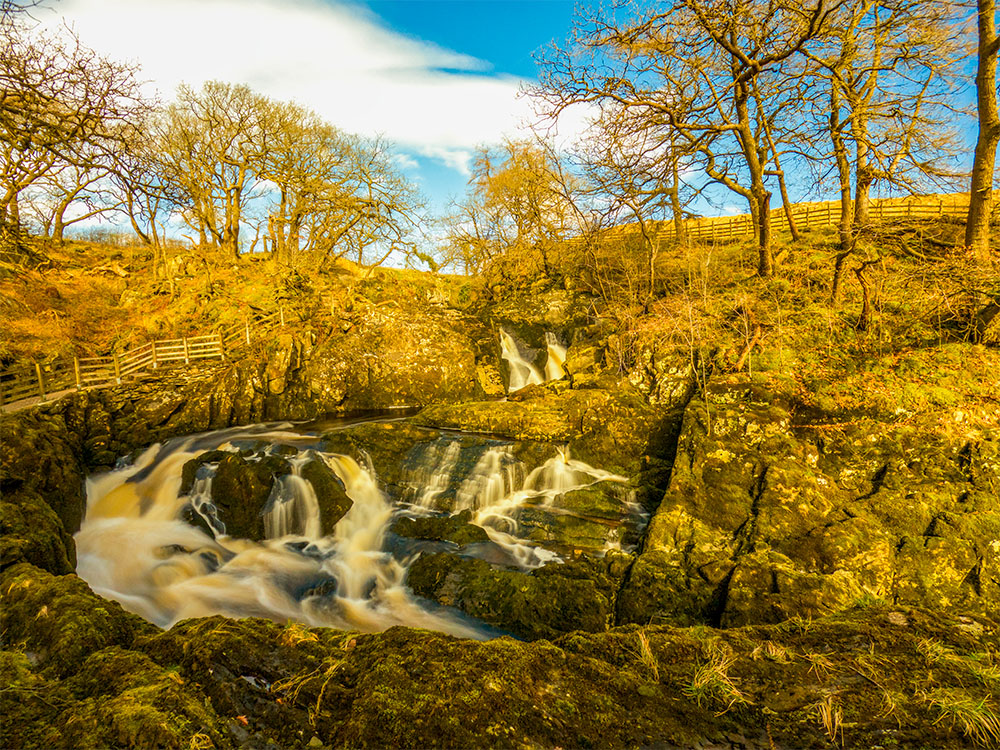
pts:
pixel 453 528
pixel 240 491
pixel 549 524
pixel 190 470
pixel 330 493
pixel 557 598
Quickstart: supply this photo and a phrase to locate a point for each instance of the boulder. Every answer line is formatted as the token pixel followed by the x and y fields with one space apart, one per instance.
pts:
pixel 455 528
pixel 330 493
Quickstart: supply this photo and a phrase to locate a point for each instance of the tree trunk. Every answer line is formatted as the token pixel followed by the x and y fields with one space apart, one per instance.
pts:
pixel 863 174
pixel 977 227
pixel 844 233
pixel 786 203
pixel 865 320
pixel 680 230
pixel 762 200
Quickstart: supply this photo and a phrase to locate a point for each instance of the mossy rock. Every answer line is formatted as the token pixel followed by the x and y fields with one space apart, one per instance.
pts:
pixel 330 493
pixel 240 491
pixel 557 598
pixel 548 524
pixel 60 619
pixel 455 528
pixel 31 532
pixel 130 701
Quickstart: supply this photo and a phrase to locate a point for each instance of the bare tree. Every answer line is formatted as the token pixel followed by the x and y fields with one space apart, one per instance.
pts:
pixel 212 145
pixel 885 78
pixel 516 213
pixel 977 228
pixel 61 106
pixel 695 64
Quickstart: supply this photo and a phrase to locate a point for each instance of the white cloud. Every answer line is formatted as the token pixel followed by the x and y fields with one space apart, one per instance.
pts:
pixel 332 57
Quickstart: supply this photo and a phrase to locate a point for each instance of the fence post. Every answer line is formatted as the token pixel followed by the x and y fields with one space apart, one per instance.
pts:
pixel 41 383
pixel 76 372
pixel 118 368
pixel 155 364
pixel 281 315
pixel 222 345
pixel 829 214
pixel 187 356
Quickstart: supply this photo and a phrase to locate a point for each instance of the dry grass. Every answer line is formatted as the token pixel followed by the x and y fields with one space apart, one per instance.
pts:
pixel 974 716
pixel 713 683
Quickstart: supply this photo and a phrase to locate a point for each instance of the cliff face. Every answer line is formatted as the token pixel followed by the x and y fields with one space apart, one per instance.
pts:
pixel 852 556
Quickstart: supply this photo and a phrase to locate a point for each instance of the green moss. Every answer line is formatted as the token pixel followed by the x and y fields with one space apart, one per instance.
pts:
pixel 60 619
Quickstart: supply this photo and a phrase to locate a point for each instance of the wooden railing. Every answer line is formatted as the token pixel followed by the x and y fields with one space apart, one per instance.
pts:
pixel 812 215
pixel 34 382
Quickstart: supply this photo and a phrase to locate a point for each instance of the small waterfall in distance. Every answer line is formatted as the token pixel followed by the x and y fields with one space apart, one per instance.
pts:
pixel 556 358
pixel 522 372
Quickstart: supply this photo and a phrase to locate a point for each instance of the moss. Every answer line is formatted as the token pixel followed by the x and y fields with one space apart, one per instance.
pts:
pixel 31 532
pixel 555 599
pixel 30 705
pixel 60 619
pixel 454 528
pixel 127 700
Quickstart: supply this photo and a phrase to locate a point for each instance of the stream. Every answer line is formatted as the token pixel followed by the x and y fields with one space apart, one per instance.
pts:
pixel 163 551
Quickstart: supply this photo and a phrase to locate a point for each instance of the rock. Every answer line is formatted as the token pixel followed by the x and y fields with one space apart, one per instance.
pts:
pixel 240 492
pixel 60 620
pixel 616 431
pixel 557 598
pixel 764 521
pixel 453 528
pixel 190 469
pixel 31 532
pixel 330 493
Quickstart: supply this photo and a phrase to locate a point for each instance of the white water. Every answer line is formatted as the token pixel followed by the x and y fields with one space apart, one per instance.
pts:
pixel 522 372
pixel 556 358
pixel 133 548
pixel 499 485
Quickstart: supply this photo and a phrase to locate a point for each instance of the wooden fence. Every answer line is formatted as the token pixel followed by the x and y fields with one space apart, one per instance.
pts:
pixel 35 382
pixel 812 215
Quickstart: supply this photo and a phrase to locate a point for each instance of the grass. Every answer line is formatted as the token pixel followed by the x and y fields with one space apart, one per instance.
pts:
pixel 974 716
pixel 831 716
pixel 712 682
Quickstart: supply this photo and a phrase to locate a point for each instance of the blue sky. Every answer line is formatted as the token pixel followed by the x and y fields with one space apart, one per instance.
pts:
pixel 436 78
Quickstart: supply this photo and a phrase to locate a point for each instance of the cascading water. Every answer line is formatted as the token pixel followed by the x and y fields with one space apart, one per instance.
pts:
pixel 133 548
pixel 556 357
pixel 136 547
pixel 522 372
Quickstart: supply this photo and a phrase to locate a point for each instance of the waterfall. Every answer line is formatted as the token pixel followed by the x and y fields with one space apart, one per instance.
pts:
pixel 135 547
pixel 432 475
pixel 496 475
pixel 522 372
pixel 556 358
